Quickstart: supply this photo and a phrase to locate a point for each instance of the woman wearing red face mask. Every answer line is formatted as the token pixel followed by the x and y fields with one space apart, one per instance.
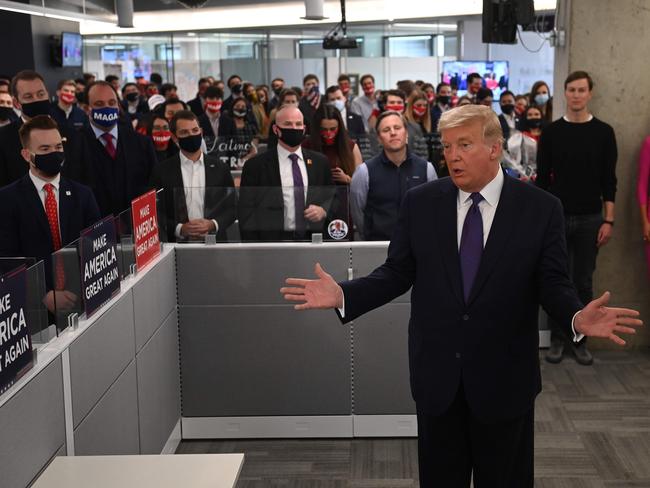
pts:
pixel 158 130
pixel 343 154
pixel 418 118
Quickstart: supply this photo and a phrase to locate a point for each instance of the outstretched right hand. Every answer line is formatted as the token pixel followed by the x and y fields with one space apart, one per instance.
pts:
pixel 323 292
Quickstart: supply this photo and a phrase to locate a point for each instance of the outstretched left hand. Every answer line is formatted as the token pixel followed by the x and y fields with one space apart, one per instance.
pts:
pixel 598 320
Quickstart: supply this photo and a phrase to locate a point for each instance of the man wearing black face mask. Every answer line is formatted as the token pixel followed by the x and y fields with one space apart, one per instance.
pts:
pixel 443 103
pixel 199 192
pixel 311 98
pixel 236 91
pixel 133 104
pixel 31 98
pixel 277 85
pixel 108 155
pixel 295 207
pixel 43 211
pixel 508 118
pixel 7 114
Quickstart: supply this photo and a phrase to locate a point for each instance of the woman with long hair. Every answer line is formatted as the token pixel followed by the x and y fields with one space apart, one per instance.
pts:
pixel 157 128
pixel 330 137
pixel 258 109
pixel 418 124
pixel 540 97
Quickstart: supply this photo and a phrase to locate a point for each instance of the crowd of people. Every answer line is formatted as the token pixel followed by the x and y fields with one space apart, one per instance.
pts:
pixel 308 156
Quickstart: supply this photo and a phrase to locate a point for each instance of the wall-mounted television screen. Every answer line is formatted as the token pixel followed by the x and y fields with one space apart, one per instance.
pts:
pixel 71 49
pixel 496 75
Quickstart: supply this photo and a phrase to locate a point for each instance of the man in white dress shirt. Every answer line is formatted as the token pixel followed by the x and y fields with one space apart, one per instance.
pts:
pixel 301 207
pixel 199 189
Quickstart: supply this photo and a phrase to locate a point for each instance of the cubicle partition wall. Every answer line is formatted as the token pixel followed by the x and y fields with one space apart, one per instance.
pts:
pixel 109 386
pixel 251 366
pixel 221 355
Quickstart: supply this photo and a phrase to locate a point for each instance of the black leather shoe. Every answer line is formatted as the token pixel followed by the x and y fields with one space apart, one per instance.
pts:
pixel 554 354
pixel 583 356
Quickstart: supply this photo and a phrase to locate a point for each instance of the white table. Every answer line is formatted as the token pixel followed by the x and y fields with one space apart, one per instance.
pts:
pixel 143 471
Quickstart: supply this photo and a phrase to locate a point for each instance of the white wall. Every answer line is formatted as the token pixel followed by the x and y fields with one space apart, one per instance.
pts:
pixel 525 67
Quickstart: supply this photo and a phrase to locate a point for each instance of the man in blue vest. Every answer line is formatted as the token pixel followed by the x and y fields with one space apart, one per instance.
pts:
pixel 379 184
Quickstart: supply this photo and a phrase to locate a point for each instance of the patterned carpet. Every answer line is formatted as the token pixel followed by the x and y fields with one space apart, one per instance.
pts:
pixel 592 431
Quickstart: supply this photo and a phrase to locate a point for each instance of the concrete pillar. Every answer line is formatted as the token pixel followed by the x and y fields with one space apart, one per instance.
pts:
pixel 610 41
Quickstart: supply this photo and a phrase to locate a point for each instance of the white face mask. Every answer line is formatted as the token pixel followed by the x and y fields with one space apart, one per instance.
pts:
pixel 541 98
pixel 339 104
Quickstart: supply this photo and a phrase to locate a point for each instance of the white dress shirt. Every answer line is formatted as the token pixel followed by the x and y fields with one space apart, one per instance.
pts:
pixel 488 206
pixel 344 116
pixel 214 122
pixel 40 188
pixel 98 134
pixel 286 177
pixel 193 173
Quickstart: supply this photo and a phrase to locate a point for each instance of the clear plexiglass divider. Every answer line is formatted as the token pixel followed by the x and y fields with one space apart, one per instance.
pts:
pixel 63 276
pixel 258 214
pixel 39 321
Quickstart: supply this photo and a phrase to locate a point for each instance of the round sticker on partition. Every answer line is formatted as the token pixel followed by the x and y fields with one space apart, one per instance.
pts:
pixel 337 229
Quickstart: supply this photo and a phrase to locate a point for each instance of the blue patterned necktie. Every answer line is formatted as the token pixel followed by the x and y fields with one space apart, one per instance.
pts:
pixel 298 194
pixel 471 244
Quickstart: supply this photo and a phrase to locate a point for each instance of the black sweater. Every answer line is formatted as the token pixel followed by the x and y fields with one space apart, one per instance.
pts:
pixel 577 163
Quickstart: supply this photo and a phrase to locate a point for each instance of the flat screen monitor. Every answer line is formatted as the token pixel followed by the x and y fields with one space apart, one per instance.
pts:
pixel 496 75
pixel 71 49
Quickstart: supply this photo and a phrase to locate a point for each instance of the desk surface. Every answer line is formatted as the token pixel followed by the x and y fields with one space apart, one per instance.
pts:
pixel 180 470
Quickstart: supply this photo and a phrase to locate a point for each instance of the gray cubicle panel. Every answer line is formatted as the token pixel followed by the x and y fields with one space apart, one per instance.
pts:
pixel 159 397
pixel 32 424
pixel 223 274
pixel 365 258
pixel 380 362
pixel 380 359
pixel 100 355
pixel 244 352
pixel 154 297
pixel 111 427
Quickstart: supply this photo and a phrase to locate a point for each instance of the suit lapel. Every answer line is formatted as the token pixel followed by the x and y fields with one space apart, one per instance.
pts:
pixel 211 183
pixel 313 180
pixel 65 210
pixel 312 175
pixel 178 188
pixel 504 221
pixel 273 169
pixel 447 216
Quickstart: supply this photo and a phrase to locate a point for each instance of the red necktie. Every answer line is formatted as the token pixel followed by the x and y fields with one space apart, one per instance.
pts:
pixel 110 147
pixel 51 210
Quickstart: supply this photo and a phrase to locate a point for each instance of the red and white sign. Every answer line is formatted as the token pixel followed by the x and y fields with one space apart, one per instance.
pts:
pixel 145 228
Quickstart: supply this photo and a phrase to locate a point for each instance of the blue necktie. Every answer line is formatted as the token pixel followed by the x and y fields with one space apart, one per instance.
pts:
pixel 298 194
pixel 471 244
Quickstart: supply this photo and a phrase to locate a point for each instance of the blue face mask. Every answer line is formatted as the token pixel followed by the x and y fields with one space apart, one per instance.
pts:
pixel 339 104
pixel 541 98
pixel 105 117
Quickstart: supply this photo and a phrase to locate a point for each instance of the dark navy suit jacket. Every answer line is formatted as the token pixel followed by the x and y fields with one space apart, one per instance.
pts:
pixel 24 229
pixel 114 182
pixel 490 343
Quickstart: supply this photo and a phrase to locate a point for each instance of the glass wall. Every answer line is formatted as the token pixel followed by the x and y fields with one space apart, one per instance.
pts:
pixel 386 50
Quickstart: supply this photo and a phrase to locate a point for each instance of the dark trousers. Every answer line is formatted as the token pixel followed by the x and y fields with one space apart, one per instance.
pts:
pixel 455 444
pixel 581 236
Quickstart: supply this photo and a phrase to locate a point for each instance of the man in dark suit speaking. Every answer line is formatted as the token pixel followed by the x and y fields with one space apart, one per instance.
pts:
pixel 285 192
pixel 473 335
